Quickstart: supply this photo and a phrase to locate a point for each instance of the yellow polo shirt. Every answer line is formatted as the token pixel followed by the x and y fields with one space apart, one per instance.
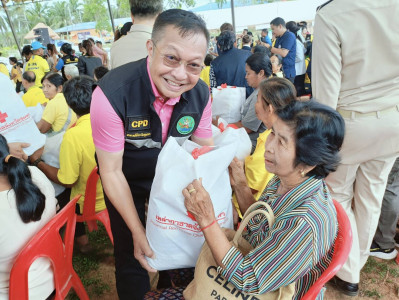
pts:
pixel 56 113
pixel 255 170
pixel 77 161
pixel 205 75
pixel 39 66
pixel 14 71
pixel 34 96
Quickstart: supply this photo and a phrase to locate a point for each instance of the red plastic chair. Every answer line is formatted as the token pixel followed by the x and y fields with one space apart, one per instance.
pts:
pixel 89 207
pixel 48 243
pixel 342 246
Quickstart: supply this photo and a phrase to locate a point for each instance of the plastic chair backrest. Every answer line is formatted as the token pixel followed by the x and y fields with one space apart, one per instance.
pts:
pixel 48 243
pixel 342 246
pixel 89 206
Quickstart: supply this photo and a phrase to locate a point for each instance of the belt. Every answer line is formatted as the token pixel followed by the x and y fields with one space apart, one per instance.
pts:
pixel 378 114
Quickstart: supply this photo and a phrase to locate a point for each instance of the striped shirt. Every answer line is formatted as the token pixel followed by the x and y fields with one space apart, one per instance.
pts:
pixel 297 248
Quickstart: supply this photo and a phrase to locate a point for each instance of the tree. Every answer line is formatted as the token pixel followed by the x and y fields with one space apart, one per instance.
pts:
pixel 37 13
pixel 122 9
pixel 180 3
pixel 59 14
pixel 95 10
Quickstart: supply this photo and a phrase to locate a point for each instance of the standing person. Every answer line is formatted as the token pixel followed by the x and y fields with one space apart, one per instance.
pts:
pixel 66 59
pixel 103 55
pixel 341 68
pixel 133 111
pixel 229 66
pixel 264 38
pixel 52 60
pixel 285 46
pixel 133 46
pixel 300 64
pixel 246 42
pixel 16 73
pixel 383 245
pixel 88 62
pixel 37 63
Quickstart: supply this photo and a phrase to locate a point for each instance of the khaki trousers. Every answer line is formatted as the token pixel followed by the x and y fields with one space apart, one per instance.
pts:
pixel 370 148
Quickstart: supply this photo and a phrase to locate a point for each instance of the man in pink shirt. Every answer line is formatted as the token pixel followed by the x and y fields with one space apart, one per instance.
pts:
pixel 133 111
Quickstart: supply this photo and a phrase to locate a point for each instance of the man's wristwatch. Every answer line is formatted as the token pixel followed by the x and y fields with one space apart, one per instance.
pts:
pixel 36 162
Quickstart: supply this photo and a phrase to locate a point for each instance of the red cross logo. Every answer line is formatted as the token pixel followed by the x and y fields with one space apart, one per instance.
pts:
pixel 3 117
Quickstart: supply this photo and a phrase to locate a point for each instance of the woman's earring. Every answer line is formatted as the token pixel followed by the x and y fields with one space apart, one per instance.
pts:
pixel 303 173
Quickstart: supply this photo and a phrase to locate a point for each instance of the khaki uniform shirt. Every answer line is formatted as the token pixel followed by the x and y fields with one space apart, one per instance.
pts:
pixel 131 47
pixel 355 59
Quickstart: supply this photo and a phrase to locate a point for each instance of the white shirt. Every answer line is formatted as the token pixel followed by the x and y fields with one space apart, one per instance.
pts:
pixel 14 234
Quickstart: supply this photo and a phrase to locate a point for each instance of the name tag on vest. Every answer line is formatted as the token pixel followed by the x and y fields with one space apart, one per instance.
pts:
pixel 138 127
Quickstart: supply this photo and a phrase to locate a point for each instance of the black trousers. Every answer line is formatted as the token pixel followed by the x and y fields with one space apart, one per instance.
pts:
pixel 132 281
pixel 299 83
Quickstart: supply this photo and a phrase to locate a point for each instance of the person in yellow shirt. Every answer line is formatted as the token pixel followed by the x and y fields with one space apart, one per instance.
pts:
pixel 57 113
pixel 274 94
pixel 205 71
pixel 34 94
pixel 37 63
pixel 77 152
pixel 16 73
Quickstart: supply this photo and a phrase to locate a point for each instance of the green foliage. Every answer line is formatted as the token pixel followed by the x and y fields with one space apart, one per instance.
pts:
pixel 180 3
pixel 122 9
pixel 97 10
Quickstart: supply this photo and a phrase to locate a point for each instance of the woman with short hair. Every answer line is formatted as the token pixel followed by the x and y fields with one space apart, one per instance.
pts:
pixel 302 149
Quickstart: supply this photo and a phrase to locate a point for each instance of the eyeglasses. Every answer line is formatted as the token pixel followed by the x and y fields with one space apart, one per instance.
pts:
pixel 174 62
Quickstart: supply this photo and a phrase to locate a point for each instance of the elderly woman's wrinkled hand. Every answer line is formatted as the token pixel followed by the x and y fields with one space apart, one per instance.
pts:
pixel 198 203
pixel 237 174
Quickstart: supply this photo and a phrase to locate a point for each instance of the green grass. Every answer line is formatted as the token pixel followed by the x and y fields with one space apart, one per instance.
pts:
pixel 372 294
pixel 87 264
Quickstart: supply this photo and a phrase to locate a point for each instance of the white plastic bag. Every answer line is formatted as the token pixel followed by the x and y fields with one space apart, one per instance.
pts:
pixel 16 123
pixel 174 237
pixel 227 102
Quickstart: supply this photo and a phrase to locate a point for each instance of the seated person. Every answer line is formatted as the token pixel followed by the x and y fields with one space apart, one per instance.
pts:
pixel 33 94
pixel 27 203
pixel 57 116
pixel 71 71
pixel 99 72
pixel 302 149
pixel 274 94
pixel 76 152
pixel 277 65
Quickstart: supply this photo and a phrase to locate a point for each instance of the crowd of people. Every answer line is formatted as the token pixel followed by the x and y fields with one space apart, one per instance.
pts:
pixel 116 113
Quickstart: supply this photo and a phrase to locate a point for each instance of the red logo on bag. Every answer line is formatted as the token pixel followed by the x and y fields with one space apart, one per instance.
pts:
pixel 3 117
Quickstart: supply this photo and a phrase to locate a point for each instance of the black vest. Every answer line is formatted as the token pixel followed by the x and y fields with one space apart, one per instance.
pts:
pixel 128 89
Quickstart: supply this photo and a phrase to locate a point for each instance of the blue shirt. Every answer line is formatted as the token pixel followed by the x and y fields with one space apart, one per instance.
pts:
pixel 266 39
pixel 288 41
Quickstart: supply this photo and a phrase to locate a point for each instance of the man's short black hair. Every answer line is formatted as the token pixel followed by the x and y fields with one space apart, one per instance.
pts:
pixel 13 59
pixel 146 8
pixel 208 59
pixel 265 30
pixel 278 21
pixel 250 33
pixel 226 40
pixel 185 21
pixel 99 42
pixel 319 133
pixel 29 76
pixel 26 50
pixel 77 92
pixel 100 71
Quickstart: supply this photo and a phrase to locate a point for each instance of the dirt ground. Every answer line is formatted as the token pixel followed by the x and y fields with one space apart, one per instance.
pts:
pixel 379 278
pixel 372 286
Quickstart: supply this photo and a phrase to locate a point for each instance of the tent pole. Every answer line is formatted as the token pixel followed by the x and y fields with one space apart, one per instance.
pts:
pixel 232 15
pixel 112 19
pixel 11 26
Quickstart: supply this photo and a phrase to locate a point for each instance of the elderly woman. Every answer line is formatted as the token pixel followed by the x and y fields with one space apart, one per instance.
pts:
pixel 301 151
